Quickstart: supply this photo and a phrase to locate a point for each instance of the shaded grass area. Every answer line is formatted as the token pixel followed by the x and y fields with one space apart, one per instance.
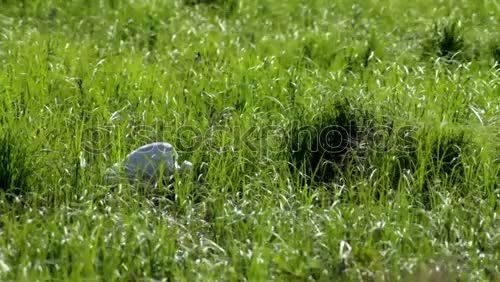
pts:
pixel 345 144
pixel 331 141
pixel 446 41
pixel 16 165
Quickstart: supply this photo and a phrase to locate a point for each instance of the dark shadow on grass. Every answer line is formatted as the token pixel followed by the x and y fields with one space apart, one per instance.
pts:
pixel 344 144
pixel 16 166
pixel 446 40
pixel 324 147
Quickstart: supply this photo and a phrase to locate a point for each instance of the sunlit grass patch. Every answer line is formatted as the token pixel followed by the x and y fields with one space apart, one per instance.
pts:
pixel 330 140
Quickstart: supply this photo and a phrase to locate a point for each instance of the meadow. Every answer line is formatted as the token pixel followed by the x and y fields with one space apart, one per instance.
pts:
pixel 331 140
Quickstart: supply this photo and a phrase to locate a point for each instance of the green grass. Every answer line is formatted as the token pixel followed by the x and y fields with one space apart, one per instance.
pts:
pixel 413 195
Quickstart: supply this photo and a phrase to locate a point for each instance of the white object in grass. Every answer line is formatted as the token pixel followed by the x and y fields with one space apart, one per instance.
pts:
pixel 149 163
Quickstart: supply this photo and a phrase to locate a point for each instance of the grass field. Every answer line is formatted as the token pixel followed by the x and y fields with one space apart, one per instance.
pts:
pixel 331 140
